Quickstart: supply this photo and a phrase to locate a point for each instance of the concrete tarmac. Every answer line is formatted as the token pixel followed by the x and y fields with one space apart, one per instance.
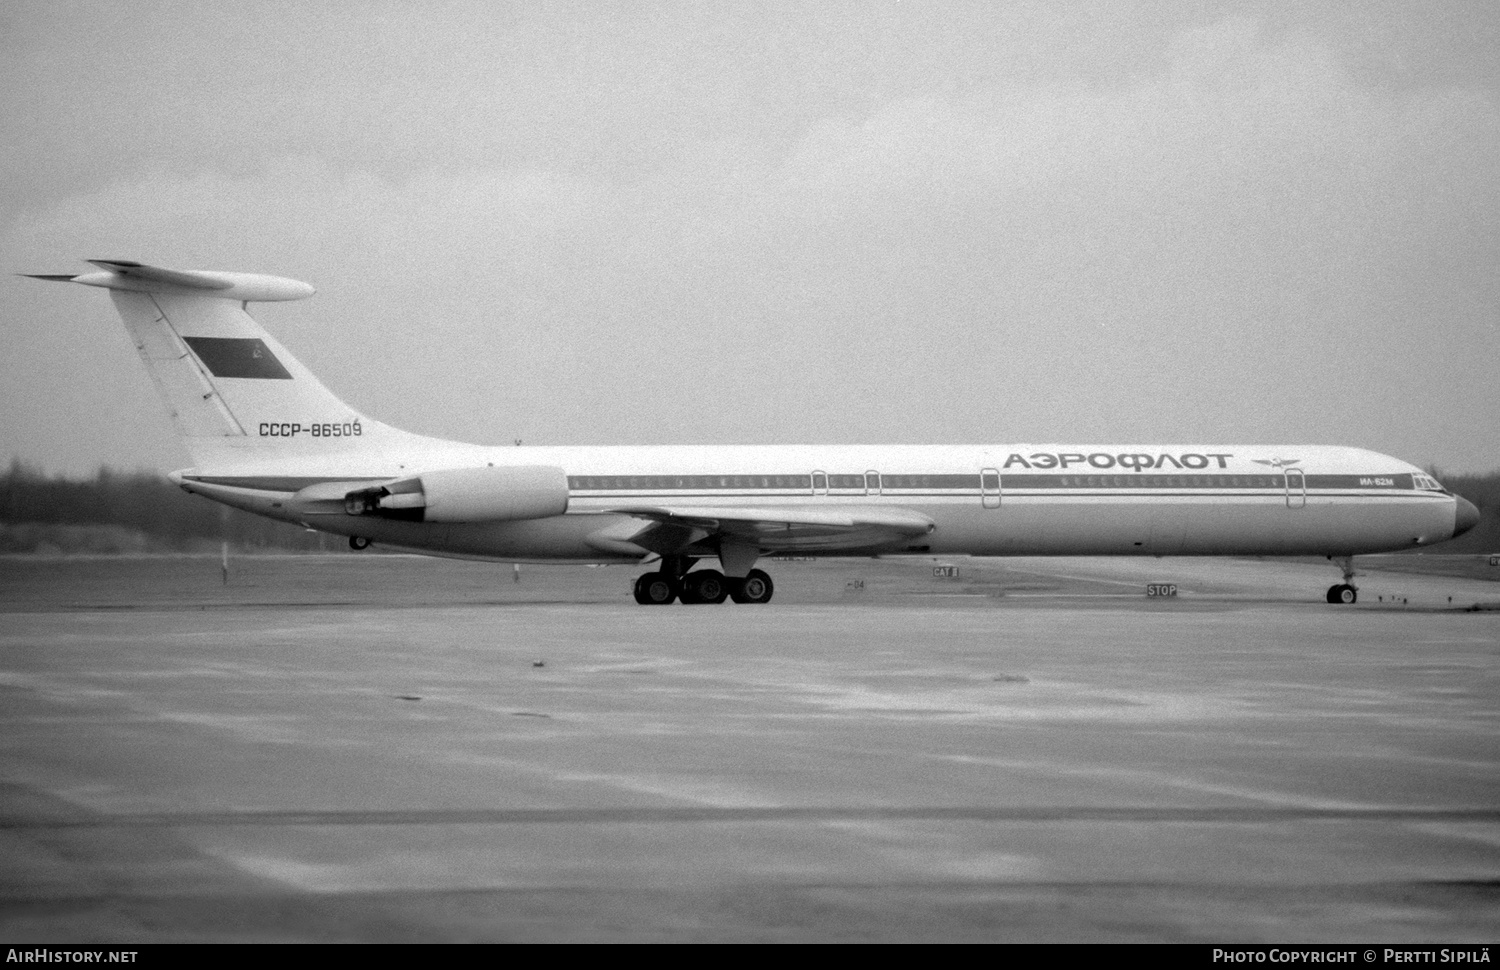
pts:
pixel 401 749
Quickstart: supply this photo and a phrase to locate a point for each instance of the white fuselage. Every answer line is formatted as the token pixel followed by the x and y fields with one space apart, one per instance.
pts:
pixel 995 500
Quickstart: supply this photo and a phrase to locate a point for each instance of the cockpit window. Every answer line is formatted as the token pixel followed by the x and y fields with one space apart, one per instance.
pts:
pixel 1426 482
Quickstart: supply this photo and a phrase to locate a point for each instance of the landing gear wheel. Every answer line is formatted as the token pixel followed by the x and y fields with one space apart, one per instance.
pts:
pixel 705 586
pixel 655 589
pixel 1342 593
pixel 358 543
pixel 756 587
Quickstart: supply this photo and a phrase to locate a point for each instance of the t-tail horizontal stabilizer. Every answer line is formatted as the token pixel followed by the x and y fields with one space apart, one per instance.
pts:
pixel 121 274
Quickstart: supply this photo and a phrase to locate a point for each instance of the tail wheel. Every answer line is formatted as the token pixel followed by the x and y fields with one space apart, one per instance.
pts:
pixel 655 589
pixel 756 587
pixel 705 586
pixel 358 543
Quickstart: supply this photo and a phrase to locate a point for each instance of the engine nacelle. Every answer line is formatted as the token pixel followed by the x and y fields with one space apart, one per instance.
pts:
pixel 489 494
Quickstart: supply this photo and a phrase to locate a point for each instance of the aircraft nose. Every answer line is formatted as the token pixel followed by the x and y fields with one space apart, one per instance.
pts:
pixel 1465 515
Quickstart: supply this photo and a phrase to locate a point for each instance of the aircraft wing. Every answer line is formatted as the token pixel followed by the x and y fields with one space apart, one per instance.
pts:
pixel 676 529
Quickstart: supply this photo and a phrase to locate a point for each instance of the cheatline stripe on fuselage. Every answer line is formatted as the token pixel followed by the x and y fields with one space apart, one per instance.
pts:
pixel 919 486
pixel 971 483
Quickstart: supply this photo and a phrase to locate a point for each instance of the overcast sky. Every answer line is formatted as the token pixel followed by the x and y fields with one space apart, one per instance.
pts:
pixel 712 223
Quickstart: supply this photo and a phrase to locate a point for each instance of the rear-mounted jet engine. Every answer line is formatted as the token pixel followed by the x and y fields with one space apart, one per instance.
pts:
pixel 487 494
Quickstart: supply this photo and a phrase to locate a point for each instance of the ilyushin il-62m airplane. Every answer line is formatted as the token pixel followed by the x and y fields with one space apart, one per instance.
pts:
pixel 267 437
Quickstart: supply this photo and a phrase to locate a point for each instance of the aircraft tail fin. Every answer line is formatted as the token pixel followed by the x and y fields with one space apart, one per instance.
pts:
pixel 236 395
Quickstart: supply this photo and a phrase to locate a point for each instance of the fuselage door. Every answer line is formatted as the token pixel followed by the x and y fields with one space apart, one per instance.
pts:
pixel 820 483
pixel 872 482
pixel 1296 488
pixel 989 488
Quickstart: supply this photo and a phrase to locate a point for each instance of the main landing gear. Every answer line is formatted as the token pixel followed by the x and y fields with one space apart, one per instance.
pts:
pixel 1344 592
pixel 674 582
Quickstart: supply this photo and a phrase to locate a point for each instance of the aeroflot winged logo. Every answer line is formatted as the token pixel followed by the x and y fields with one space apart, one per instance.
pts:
pixel 1277 462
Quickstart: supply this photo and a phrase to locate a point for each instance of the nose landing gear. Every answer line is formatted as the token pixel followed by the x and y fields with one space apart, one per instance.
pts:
pixel 1345 592
pixel 1342 593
